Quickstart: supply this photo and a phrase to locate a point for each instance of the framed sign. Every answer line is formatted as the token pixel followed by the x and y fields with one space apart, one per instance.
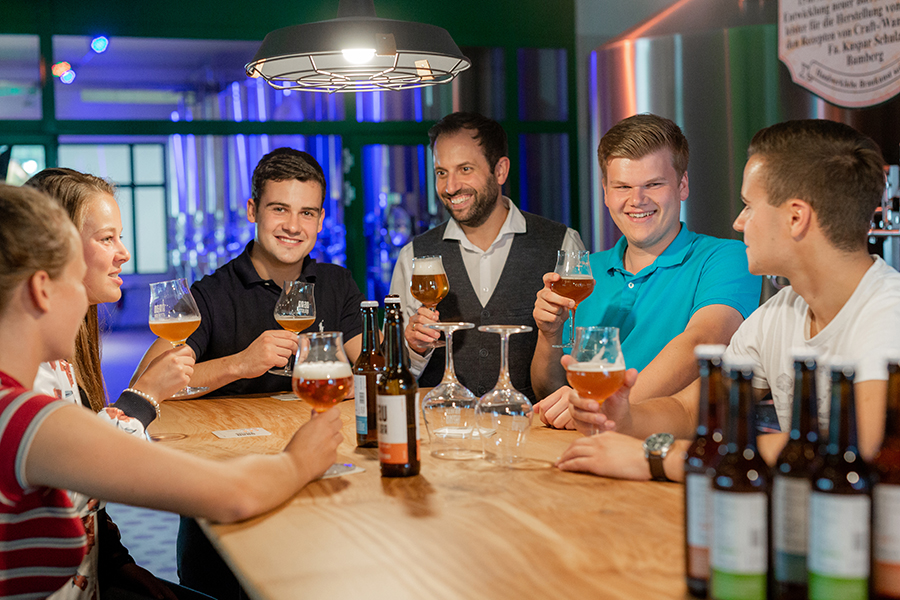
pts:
pixel 845 51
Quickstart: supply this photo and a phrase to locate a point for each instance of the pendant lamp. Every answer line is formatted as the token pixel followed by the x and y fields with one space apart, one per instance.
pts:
pixel 357 52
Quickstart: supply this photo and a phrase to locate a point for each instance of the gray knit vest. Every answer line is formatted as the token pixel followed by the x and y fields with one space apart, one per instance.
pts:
pixel 476 355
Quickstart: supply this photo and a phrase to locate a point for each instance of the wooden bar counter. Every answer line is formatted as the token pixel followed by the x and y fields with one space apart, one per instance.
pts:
pixel 458 530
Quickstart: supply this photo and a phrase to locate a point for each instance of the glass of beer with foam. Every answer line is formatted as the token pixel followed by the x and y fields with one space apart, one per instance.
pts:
pixel 599 367
pixel 576 282
pixel 295 310
pixel 429 284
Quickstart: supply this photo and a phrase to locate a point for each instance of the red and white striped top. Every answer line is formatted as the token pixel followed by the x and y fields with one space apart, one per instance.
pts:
pixel 42 540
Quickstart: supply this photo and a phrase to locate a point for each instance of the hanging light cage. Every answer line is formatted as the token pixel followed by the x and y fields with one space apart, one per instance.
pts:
pixel 401 54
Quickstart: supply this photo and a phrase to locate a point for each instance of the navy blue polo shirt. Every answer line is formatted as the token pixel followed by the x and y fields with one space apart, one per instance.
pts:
pixel 237 305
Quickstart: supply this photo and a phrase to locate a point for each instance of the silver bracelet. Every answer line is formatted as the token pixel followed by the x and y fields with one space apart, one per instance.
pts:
pixel 146 397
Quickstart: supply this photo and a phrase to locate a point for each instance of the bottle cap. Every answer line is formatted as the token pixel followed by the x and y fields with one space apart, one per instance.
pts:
pixel 740 362
pixel 839 364
pixel 391 300
pixel 709 351
pixel 368 304
pixel 803 354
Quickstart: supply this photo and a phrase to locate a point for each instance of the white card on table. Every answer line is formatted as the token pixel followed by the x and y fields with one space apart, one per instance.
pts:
pixel 239 433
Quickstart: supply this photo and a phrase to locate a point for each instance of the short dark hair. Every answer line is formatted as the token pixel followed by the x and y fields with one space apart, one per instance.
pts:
pixel 283 164
pixel 640 135
pixel 487 132
pixel 835 168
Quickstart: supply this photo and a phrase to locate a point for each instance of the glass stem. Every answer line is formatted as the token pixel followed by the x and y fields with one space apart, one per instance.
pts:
pixel 571 327
pixel 449 371
pixel 503 380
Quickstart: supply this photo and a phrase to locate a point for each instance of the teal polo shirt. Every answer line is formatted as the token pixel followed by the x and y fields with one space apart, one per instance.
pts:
pixel 653 306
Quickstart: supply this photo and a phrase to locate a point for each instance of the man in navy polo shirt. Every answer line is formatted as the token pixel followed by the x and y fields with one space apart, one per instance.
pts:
pixel 667 289
pixel 238 340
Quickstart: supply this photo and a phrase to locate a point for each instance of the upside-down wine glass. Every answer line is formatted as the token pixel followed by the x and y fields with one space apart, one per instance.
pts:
pixel 295 311
pixel 429 284
pixel 599 367
pixel 503 415
pixel 576 283
pixel 174 316
pixel 449 409
pixel 322 376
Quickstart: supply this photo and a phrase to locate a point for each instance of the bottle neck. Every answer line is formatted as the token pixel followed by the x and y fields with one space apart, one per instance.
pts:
pixel 842 421
pixel 805 418
pixel 742 420
pixel 393 340
pixel 370 327
pixel 710 394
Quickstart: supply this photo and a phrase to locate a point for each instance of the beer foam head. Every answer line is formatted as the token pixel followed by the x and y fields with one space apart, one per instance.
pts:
pixel 596 367
pixel 178 319
pixel 322 370
pixel 428 265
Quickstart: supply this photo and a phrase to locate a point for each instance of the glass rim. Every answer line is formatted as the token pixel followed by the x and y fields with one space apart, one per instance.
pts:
pixel 427 257
pixel 322 334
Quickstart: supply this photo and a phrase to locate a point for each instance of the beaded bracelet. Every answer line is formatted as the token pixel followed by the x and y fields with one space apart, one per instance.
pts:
pixel 146 397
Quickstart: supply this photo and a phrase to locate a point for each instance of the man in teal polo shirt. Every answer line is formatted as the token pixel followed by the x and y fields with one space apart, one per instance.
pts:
pixel 667 289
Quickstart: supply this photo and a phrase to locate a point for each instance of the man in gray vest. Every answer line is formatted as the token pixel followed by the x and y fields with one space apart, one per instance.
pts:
pixel 494 255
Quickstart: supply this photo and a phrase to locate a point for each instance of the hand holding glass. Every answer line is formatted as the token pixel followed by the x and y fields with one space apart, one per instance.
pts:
pixel 429 284
pixel 174 316
pixel 576 283
pixel 295 311
pixel 599 367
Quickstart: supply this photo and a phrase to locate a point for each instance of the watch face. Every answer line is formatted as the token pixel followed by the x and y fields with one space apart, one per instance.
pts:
pixel 658 441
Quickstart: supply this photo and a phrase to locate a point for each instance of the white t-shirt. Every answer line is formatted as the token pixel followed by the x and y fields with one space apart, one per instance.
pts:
pixel 865 331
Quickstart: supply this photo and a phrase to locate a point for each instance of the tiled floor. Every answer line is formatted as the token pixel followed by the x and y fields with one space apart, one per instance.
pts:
pixel 149 535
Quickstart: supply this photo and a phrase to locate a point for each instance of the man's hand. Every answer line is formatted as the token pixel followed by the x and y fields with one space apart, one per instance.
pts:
pixel 418 336
pixel 550 309
pixel 614 413
pixel 270 349
pixel 610 454
pixel 314 446
pixel 554 409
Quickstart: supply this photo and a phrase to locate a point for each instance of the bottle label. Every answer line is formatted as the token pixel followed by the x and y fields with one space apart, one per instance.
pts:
pixel 362 410
pixel 887 540
pixel 838 546
pixel 790 515
pixel 393 433
pixel 739 545
pixel 697 489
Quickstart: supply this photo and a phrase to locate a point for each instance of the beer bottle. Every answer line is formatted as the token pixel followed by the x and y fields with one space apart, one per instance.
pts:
pixel 887 494
pixel 698 464
pixel 840 504
pixel 366 372
pixel 791 483
pixel 739 557
pixel 398 402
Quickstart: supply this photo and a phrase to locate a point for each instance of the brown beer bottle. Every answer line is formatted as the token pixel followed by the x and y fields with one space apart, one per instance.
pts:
pixel 840 505
pixel 791 483
pixel 398 402
pixel 699 462
pixel 887 494
pixel 366 372
pixel 739 550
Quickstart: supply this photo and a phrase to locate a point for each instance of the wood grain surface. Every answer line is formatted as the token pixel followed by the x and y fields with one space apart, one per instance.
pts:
pixel 458 530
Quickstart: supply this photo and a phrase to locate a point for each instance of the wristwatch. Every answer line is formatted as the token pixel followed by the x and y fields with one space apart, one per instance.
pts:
pixel 655 449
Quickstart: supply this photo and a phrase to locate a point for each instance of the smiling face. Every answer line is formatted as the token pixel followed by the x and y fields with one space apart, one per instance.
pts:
pixel 463 178
pixel 765 227
pixel 104 254
pixel 644 199
pixel 288 218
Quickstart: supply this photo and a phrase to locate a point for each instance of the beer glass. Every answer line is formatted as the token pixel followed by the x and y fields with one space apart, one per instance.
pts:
pixel 429 284
pixel 599 367
pixel 449 409
pixel 174 316
pixel 322 376
pixel 295 311
pixel 576 283
pixel 503 415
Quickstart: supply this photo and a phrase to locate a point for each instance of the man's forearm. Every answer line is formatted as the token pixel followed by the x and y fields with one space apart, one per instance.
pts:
pixel 547 375
pixel 659 415
pixel 215 373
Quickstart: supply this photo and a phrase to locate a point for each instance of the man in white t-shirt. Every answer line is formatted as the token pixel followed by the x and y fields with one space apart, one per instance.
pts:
pixel 810 189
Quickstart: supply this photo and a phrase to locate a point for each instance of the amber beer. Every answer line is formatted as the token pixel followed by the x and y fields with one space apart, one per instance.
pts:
pixel 594 380
pixel 430 289
pixel 397 403
pixel 840 505
pixel 791 484
pixel 295 324
pixel 574 287
pixel 366 373
pixel 887 494
pixel 322 384
pixel 699 464
pixel 175 330
pixel 739 549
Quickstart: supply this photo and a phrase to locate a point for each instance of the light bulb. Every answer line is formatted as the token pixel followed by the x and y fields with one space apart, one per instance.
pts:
pixel 358 56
